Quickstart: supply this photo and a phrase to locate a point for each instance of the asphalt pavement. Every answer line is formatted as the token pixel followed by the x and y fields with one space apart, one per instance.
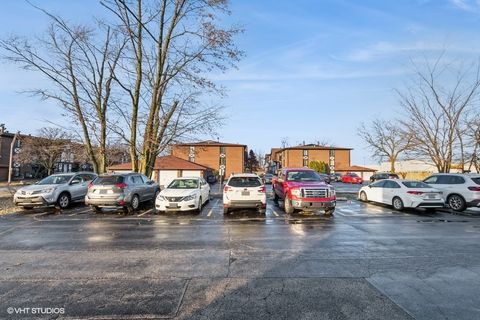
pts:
pixel 365 262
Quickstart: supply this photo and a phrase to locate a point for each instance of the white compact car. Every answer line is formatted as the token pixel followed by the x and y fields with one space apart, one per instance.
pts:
pixel 460 190
pixel 245 190
pixel 403 194
pixel 183 194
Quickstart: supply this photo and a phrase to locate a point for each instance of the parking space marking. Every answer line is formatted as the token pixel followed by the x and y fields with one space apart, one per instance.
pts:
pixel 83 211
pixel 142 214
pixel 72 214
pixel 210 212
pixel 275 213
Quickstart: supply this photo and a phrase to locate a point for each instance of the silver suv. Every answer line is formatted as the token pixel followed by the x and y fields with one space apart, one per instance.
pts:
pixel 57 189
pixel 125 191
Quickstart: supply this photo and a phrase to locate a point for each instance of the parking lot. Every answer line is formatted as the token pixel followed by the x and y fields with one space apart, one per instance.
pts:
pixel 365 262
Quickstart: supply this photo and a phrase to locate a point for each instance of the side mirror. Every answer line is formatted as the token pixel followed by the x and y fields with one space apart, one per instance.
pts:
pixel 76 181
pixel 369 185
pixel 150 182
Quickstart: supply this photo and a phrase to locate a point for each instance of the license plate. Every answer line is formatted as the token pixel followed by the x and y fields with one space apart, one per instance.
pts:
pixel 431 196
pixel 173 205
pixel 245 193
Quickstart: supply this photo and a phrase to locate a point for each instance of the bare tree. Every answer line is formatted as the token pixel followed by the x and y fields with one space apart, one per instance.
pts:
pixel 437 105
pixel 79 63
pixel 386 140
pixel 173 45
pixel 46 149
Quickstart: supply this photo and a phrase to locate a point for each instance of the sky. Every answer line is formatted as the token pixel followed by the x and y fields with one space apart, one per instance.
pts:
pixel 313 70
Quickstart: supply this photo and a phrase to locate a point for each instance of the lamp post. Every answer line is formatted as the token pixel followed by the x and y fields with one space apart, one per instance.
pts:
pixel 10 162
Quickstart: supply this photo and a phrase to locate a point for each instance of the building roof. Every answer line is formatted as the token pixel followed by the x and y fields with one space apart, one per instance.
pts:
pixel 211 143
pixel 314 147
pixel 355 168
pixel 165 163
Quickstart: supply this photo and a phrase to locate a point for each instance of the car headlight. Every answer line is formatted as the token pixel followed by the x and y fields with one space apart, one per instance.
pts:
pixel 47 190
pixel 190 197
pixel 162 198
pixel 332 192
pixel 296 192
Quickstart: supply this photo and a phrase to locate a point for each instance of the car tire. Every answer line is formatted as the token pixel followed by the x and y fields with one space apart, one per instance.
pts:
pixel 200 206
pixel 155 196
pixel 456 202
pixel 363 196
pixel 63 200
pixel 262 211
pixel 275 197
pixel 329 211
pixel 96 209
pixel 397 204
pixel 27 208
pixel 208 199
pixel 226 210
pixel 134 204
pixel 287 206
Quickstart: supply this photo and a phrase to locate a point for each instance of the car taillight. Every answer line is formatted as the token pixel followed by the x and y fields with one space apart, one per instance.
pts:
pixel 262 189
pixel 226 189
pixel 474 188
pixel 90 185
pixel 121 185
pixel 415 192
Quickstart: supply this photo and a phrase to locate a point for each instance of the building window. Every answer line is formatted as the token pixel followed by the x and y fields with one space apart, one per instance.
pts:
pixel 191 154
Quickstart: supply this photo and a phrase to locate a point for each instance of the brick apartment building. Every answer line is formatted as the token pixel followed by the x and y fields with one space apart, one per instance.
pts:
pixel 226 158
pixel 66 163
pixel 338 159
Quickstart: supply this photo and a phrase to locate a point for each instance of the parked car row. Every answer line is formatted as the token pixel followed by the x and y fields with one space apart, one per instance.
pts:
pixel 457 191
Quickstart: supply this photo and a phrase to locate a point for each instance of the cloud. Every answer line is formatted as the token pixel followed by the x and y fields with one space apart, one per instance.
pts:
pixel 385 49
pixel 467 5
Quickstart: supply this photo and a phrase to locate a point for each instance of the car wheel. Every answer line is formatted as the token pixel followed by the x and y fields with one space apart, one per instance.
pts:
pixel 208 199
pixel 226 210
pixel 96 209
pixel 363 196
pixel 397 203
pixel 156 195
pixel 329 211
pixel 288 207
pixel 200 205
pixel 457 203
pixel 262 211
pixel 275 197
pixel 63 201
pixel 134 203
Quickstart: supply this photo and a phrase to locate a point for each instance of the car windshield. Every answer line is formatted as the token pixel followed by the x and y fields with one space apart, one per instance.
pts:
pixel 108 180
pixel 56 179
pixel 303 176
pixel 415 184
pixel 268 175
pixel 244 182
pixel 183 184
pixel 353 175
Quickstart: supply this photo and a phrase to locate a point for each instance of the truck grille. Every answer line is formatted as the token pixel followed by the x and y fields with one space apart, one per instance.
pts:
pixel 315 193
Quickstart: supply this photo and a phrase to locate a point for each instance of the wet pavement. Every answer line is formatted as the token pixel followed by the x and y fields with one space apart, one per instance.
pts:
pixel 365 262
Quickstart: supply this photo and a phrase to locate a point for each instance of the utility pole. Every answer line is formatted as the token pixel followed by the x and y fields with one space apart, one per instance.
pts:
pixel 10 162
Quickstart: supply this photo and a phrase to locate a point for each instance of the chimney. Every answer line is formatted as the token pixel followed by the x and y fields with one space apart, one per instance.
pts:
pixel 2 128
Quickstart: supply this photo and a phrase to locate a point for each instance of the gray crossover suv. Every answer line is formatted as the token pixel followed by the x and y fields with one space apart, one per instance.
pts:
pixel 58 189
pixel 125 191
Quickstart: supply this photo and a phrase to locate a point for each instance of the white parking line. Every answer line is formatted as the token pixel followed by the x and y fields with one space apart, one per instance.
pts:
pixel 145 212
pixel 72 214
pixel 210 212
pixel 83 211
pixel 275 213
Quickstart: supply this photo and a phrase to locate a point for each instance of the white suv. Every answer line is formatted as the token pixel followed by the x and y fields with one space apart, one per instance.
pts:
pixel 245 190
pixel 460 190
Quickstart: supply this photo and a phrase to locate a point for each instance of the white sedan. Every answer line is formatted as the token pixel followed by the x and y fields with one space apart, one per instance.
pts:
pixel 183 194
pixel 403 194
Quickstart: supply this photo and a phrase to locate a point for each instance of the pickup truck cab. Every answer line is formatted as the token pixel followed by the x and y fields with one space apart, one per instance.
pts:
pixel 303 189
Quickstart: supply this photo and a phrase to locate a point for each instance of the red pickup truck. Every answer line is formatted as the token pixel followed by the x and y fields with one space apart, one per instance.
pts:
pixel 303 189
